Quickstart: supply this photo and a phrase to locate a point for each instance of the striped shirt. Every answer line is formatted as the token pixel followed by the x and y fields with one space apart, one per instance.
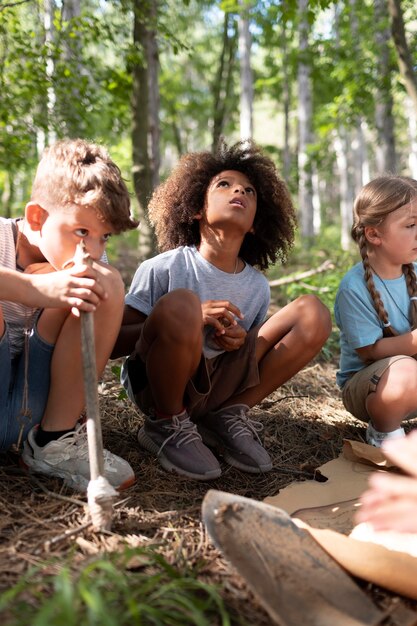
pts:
pixel 15 314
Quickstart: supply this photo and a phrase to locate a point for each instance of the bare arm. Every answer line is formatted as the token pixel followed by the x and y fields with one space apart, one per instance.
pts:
pixel 129 332
pixel 76 288
pixel 390 346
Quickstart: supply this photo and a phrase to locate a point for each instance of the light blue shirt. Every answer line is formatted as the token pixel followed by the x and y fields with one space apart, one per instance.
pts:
pixel 358 320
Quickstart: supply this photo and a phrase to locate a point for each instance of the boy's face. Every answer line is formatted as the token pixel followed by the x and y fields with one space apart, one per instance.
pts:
pixel 60 230
pixel 230 200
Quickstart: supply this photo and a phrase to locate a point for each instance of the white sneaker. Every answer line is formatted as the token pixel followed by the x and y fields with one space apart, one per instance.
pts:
pixel 376 438
pixel 67 458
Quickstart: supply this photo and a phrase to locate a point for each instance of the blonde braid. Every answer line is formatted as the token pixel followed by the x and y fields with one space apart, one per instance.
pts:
pixel 411 280
pixel 388 330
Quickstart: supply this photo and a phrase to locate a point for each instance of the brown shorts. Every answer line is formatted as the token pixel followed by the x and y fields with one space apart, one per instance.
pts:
pixel 215 381
pixel 364 382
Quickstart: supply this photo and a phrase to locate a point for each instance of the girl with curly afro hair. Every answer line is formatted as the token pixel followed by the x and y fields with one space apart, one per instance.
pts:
pixel 200 353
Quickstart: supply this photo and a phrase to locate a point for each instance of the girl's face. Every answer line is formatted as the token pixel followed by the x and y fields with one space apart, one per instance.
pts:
pixel 230 200
pixel 397 236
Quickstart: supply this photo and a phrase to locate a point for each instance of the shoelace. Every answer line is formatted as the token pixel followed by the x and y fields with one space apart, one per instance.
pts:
pixel 243 425
pixel 185 430
pixel 78 438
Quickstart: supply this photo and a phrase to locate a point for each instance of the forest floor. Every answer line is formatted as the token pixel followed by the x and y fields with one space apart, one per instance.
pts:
pixel 42 521
pixel 304 427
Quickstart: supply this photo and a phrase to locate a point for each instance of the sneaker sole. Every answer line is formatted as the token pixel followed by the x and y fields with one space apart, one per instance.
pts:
pixel 214 442
pixel 148 444
pixel 80 485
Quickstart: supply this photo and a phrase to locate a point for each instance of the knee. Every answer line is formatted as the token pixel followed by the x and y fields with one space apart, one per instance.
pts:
pixel 315 319
pixel 112 283
pixel 402 378
pixel 179 312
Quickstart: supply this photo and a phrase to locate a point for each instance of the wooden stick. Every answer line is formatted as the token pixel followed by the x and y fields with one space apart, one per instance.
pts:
pixel 100 493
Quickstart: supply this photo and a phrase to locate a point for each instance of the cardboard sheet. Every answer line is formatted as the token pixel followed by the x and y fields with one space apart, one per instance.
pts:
pixel 326 510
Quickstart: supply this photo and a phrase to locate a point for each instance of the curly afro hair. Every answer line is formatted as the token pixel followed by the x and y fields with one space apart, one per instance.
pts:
pixel 174 204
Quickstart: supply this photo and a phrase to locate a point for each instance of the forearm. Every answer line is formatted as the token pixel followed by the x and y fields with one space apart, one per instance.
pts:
pixel 390 346
pixel 18 287
pixel 126 341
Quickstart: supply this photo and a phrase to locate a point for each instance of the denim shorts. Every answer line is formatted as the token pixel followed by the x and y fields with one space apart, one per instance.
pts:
pixel 12 387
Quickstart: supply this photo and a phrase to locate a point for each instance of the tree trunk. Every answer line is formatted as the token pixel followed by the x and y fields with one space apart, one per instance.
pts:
pixel 152 57
pixel 49 136
pixel 412 135
pixel 246 78
pixel 405 62
pixel 384 119
pixel 286 97
pixel 223 82
pixel 8 195
pixel 142 175
pixel 305 188
pixel 340 146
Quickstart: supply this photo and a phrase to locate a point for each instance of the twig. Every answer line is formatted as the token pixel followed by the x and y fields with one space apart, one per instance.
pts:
pixel 52 494
pixel 286 280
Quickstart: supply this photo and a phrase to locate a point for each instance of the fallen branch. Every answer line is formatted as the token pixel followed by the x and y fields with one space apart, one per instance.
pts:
pixel 286 280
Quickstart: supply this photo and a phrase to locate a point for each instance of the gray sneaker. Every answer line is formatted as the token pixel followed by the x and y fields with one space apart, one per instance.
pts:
pixel 67 458
pixel 179 447
pixel 230 431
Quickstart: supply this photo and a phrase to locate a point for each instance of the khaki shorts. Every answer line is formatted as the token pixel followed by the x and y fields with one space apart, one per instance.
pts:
pixel 215 381
pixel 364 382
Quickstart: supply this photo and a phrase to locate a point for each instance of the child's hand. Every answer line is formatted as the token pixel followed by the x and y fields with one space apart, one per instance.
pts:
pixel 220 314
pixel 78 287
pixel 232 338
pixel 391 500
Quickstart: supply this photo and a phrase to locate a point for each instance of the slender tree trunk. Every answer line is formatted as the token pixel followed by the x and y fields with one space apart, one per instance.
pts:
pixel 7 196
pixel 49 136
pixel 340 146
pixel 384 119
pixel 412 135
pixel 286 97
pixel 305 188
pixel 246 78
pixel 141 169
pixel 223 82
pixel 74 123
pixel 405 62
pixel 152 57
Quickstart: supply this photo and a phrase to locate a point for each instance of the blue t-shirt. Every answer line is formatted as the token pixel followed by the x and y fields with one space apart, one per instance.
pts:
pixel 358 320
pixel 184 267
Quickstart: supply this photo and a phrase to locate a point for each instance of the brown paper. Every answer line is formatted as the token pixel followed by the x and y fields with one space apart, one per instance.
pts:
pixel 327 509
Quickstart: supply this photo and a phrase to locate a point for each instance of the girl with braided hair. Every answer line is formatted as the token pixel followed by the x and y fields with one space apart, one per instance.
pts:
pixel 376 310
pixel 200 350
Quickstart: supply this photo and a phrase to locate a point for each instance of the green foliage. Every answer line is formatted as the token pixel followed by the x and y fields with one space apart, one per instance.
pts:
pixel 136 587
pixel 324 285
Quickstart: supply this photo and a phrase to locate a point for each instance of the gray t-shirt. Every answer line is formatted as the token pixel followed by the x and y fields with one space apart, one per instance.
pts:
pixel 185 268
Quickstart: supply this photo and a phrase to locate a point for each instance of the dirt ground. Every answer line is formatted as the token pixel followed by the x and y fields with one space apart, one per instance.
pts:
pixel 304 426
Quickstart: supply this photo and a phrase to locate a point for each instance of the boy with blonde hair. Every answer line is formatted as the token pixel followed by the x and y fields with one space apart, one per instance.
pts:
pixel 78 194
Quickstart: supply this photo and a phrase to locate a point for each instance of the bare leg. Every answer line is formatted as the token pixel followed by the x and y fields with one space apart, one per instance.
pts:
pixel 174 333
pixel 395 397
pixel 285 344
pixel 66 394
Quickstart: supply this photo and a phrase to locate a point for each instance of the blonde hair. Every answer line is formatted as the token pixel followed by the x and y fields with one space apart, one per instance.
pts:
pixel 375 201
pixel 78 172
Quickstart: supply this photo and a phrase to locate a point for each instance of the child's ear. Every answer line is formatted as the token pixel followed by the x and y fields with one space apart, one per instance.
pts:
pixel 35 216
pixel 199 215
pixel 372 235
